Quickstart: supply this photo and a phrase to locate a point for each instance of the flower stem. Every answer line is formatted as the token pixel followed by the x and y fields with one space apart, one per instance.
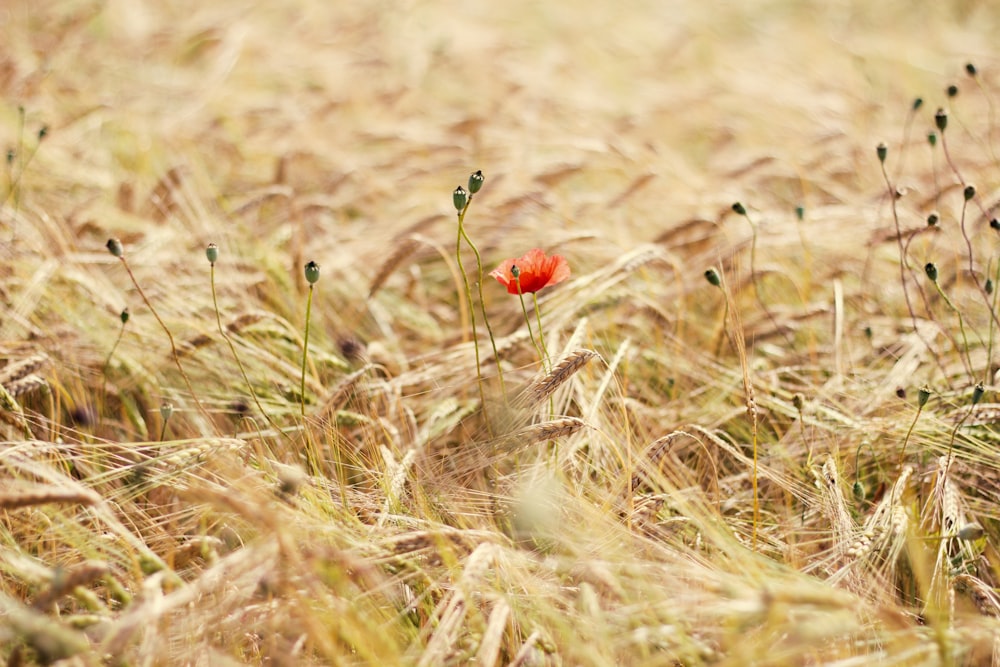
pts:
pixel 468 298
pixel 524 309
pixel 232 347
pixel 541 337
pixel 482 302
pixel 305 352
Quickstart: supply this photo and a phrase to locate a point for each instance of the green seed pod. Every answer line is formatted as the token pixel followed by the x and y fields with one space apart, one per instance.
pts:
pixel 800 213
pixel 923 395
pixel 312 273
pixel 969 192
pixel 514 271
pixel 212 253
pixel 713 278
pixel 952 90
pixel 115 247
pixel 799 401
pixel 881 150
pixel 970 532
pixel 917 103
pixel 931 270
pixel 124 317
pixel 166 411
pixel 941 119
pixel 970 69
pixel 858 490
pixel 932 139
pixel 43 132
pixel 977 393
pixel 476 181
pixel 933 219
pixel 988 286
pixel 740 210
pixel 460 198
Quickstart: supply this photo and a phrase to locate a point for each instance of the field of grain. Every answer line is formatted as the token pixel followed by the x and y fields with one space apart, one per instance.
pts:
pixel 262 403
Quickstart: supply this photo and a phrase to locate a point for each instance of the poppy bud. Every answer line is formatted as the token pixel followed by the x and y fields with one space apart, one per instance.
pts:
pixel 312 272
pixel 923 394
pixel 881 150
pixel 941 119
pixel 212 253
pixel 969 192
pixel 166 411
pixel 994 224
pixel 476 181
pixel 11 154
pixel 124 316
pixel 859 491
pixel 932 138
pixel 917 103
pixel 952 90
pixel 712 276
pixel 977 393
pixel 43 132
pixel 931 270
pixel 932 219
pixel 901 392
pixel 800 212
pixel 738 207
pixel 970 69
pixel 988 287
pixel 970 532
pixel 799 401
pixel 115 247
pixel 460 197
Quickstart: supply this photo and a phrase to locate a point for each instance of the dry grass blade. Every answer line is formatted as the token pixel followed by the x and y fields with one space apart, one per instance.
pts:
pixel 45 495
pixel 544 386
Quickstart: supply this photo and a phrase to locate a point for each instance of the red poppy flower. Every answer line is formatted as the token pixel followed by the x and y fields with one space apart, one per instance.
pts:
pixel 535 271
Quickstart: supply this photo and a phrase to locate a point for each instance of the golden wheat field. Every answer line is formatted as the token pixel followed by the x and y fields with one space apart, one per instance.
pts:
pixel 262 401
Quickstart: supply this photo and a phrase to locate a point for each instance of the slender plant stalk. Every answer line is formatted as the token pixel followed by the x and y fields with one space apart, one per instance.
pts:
pixel 977 395
pixel 741 210
pixel 527 320
pixel 924 394
pixel 239 363
pixel 107 362
pixel 116 249
pixel 471 306
pixel 967 358
pixel 482 301
pixel 305 352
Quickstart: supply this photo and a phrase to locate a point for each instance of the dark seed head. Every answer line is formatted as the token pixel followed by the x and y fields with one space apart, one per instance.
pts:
pixel 941 119
pixel 312 272
pixel 931 270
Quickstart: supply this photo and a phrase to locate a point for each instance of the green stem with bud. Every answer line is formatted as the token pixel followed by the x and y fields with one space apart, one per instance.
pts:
pixel 312 275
